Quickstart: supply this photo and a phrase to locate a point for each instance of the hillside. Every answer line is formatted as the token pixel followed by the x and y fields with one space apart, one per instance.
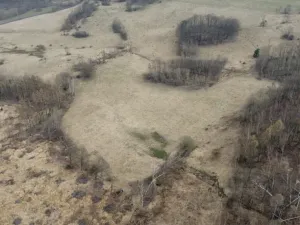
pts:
pixel 120 119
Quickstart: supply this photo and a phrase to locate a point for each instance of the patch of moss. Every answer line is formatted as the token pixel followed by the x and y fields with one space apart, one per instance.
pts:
pixel 159 153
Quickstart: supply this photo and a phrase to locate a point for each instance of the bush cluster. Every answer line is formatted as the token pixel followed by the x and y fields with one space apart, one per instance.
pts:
pixel 207 29
pixel 119 28
pixel 187 72
pixel 279 62
pixel 83 11
pixel 80 34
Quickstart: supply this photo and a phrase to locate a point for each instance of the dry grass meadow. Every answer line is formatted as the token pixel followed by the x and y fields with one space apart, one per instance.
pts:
pixel 91 140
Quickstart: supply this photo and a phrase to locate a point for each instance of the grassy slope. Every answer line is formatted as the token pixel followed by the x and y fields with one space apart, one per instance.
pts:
pixel 28 14
pixel 263 5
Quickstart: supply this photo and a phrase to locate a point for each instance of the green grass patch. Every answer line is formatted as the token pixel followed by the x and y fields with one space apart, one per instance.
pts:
pixel 159 153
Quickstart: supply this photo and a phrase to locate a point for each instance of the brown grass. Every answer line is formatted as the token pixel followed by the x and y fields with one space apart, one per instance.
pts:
pixel 41 107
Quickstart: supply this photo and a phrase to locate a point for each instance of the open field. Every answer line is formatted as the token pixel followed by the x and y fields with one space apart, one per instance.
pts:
pixel 132 124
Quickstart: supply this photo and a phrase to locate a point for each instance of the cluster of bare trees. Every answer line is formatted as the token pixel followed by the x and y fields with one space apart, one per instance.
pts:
pixel 82 11
pixel 267 179
pixel 206 30
pixel 185 71
pixel 279 62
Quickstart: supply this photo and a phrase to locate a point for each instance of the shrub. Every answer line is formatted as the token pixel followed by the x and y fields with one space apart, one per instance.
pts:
pixel 288 34
pixel 2 61
pixel 40 48
pixel 279 62
pixel 50 129
pixel 85 70
pixel 63 81
pixel 41 104
pixel 80 34
pixel 17 89
pixel 206 30
pixel 67 50
pixel 189 72
pixel 188 50
pixel 83 11
pixel 129 7
pixel 186 146
pixel 256 53
pixel 133 5
pixel 263 22
pixel 286 10
pixel 106 2
pixel 38 51
pixel 119 28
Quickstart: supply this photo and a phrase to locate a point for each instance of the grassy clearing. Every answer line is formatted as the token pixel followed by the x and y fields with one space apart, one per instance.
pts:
pixel 185 72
